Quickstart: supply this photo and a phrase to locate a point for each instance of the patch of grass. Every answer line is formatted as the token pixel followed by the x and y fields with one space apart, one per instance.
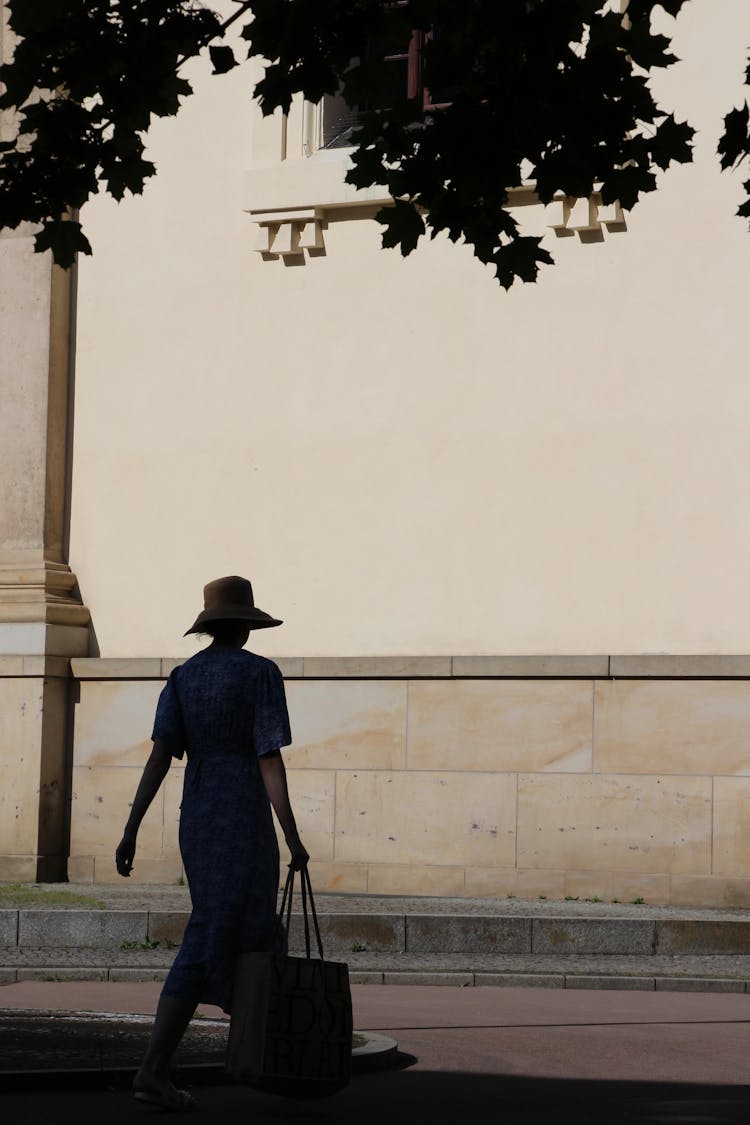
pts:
pixel 131 946
pixel 358 1041
pixel 543 898
pixel 571 898
pixel 19 895
pixel 594 899
pixel 358 947
pixel 639 902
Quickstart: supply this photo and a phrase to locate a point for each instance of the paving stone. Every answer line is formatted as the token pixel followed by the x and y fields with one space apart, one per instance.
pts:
pixel 520 980
pixel 469 934
pixel 465 980
pixel 137 974
pixel 55 974
pixel 592 935
pixel 698 984
pixel 628 984
pixel 8 976
pixel 365 978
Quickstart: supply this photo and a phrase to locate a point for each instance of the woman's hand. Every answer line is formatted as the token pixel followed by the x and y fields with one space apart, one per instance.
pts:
pixel 124 855
pixel 300 858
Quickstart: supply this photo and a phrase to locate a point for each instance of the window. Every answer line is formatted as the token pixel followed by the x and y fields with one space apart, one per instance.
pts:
pixel 402 78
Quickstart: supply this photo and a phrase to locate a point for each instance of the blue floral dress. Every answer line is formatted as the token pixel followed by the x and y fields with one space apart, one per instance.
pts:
pixel 224 708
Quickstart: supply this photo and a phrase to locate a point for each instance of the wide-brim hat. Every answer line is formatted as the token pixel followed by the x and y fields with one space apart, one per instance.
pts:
pixel 231 599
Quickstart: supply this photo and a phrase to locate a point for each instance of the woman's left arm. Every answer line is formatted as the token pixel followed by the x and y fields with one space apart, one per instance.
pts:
pixel 154 772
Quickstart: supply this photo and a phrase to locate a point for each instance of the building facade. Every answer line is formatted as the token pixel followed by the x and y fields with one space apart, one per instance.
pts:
pixel 507 532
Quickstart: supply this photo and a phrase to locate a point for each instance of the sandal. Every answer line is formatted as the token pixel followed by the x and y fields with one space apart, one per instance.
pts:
pixel 171 1100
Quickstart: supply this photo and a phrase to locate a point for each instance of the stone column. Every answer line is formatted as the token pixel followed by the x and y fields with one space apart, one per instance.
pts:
pixel 42 620
pixel 40 610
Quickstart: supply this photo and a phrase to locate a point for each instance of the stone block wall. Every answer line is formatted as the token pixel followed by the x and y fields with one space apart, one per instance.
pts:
pixel 404 780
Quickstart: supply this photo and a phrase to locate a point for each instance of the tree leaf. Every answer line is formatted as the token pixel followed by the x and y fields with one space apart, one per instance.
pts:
pixel 672 142
pixel 403 224
pixel 128 174
pixel 222 59
pixel 735 143
pixel 64 238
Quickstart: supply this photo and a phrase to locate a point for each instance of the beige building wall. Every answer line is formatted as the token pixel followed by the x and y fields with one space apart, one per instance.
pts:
pixel 540 786
pixel 433 482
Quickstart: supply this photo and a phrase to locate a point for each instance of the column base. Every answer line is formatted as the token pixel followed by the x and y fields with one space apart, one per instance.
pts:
pixel 40 610
pixel 36 703
pixel 32 869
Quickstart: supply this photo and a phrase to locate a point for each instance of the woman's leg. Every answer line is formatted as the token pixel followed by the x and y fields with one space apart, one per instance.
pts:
pixel 173 1014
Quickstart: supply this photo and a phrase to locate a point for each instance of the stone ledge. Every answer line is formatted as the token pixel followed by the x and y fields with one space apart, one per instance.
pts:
pixel 377 667
pixel 680 667
pixel 576 936
pixel 12 667
pixel 60 929
pixel 430 933
pixel 135 668
pixel 530 667
pixel 419 667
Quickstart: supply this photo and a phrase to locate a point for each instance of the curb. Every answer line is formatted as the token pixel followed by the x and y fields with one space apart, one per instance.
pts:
pixel 643 982
pixel 378 1053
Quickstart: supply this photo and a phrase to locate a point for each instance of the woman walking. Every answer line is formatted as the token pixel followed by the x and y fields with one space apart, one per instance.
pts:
pixel 225 709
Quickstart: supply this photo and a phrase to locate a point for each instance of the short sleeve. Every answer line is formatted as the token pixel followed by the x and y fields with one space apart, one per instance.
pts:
pixel 168 724
pixel 271 728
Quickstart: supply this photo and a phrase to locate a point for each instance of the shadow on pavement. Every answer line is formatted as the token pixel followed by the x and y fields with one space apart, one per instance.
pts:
pixel 412 1095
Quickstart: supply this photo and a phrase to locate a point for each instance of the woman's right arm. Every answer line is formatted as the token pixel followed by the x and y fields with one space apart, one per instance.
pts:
pixel 154 772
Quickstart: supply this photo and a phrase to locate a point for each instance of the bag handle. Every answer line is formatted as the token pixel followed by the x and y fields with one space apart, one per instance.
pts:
pixel 286 904
pixel 307 889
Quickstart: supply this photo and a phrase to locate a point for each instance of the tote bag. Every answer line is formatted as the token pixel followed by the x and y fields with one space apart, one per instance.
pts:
pixel 290 1031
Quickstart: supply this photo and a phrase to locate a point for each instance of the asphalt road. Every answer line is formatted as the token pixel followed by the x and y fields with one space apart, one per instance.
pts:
pixel 492 1055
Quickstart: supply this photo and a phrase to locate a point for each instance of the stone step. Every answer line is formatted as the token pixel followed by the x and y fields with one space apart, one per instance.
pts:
pixel 412 933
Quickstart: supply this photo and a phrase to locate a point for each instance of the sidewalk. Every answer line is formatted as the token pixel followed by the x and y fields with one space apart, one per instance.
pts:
pixel 481 1054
